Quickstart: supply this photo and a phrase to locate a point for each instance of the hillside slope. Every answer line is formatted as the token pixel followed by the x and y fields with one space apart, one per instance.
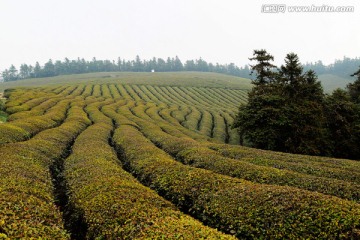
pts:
pixel 331 82
pixel 103 159
pixel 194 79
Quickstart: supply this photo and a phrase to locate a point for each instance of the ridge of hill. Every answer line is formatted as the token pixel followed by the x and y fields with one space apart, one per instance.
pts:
pixel 193 79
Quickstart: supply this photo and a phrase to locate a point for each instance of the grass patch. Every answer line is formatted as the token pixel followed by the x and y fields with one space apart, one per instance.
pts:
pixel 3 115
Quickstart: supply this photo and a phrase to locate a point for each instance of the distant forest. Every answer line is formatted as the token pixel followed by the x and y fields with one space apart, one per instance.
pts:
pixel 341 68
pixel 67 66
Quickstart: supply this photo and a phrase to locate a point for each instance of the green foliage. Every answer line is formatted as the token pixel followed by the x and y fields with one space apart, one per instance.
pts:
pixel 193 153
pixel 11 133
pixel 3 115
pixel 2 104
pixel 341 68
pixel 264 67
pixel 323 167
pixel 28 210
pixel 354 88
pixel 78 66
pixel 264 121
pixel 246 209
pixel 291 71
pixel 114 204
pixel 343 118
pixel 291 113
pixel 23 128
pixel 285 114
pixel 192 119
pixel 288 196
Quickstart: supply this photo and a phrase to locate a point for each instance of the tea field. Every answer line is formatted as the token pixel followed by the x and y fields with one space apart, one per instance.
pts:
pixel 141 156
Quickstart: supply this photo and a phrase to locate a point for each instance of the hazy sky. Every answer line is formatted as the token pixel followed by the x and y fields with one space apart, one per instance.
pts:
pixel 218 31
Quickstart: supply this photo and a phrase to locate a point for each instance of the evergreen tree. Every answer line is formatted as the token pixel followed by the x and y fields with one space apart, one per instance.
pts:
pixel 37 70
pixel 65 66
pixel 82 66
pixel 285 109
pixel 31 71
pixel 6 75
pixel 49 69
pixel 202 65
pixel 265 108
pixel 211 67
pixel 138 66
pixel 13 73
pixel 264 121
pixel 169 65
pixel 190 65
pixel 59 68
pixel 178 66
pixel 292 70
pixel 354 88
pixel 93 65
pixel 264 68
pixel 24 71
pixel 108 66
pixel 343 117
pixel 119 64
pixel 152 65
pixel 161 65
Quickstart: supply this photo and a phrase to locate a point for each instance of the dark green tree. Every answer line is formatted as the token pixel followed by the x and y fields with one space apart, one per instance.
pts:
pixel 6 75
pixel 178 66
pixel 152 65
pixel 119 64
pixel 343 118
pixel 264 121
pixel 109 66
pixel 49 69
pixel 201 65
pixel 354 88
pixel 137 64
pixel 292 70
pixel 13 73
pixel 190 65
pixel 25 71
pixel 162 66
pixel 285 108
pixel 264 69
pixel 37 70
pixel 265 108
pixel 78 66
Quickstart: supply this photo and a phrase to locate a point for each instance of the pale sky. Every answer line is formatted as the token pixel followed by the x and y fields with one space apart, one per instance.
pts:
pixel 218 31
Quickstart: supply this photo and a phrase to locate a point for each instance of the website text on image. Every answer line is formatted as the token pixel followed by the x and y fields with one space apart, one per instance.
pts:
pixel 282 8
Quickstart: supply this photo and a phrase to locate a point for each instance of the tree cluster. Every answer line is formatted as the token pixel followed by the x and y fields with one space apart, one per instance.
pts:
pixel 288 111
pixel 67 66
pixel 341 68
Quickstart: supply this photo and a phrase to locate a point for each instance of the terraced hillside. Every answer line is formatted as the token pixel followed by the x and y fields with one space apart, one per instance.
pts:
pixel 112 160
